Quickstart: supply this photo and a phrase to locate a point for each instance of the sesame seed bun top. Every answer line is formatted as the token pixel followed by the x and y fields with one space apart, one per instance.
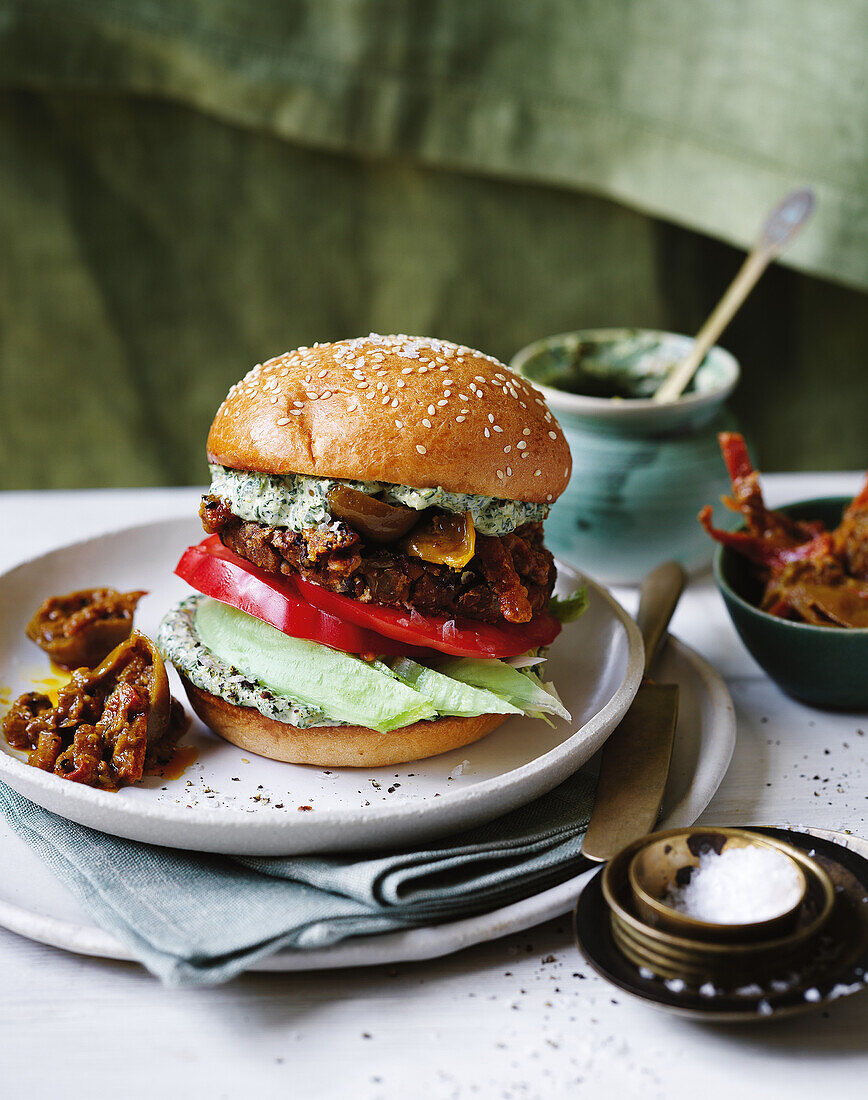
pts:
pixel 406 410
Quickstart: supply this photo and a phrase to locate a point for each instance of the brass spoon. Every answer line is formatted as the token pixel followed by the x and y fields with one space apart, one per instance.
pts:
pixel 781 227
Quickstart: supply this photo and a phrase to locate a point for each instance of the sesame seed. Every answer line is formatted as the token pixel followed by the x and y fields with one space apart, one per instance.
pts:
pixel 520 446
pixel 399 424
pixel 447 393
pixel 487 434
pixel 460 419
pixel 295 412
pixel 566 472
pixel 394 402
pixel 490 419
pixel 385 400
pixel 440 404
pixel 327 393
pixel 497 428
pixel 464 397
pixel 500 474
pixel 506 450
pixel 509 471
pixel 406 370
pixel 283 420
pixel 553 435
pixel 536 473
pixel 298 404
pixel 525 454
pixel 525 431
pixel 431 410
pixel 549 497
pixel 427 422
pixel 401 383
pixel 361 385
pixel 445 366
pixel 322 374
pixel 421 449
pixel 448 382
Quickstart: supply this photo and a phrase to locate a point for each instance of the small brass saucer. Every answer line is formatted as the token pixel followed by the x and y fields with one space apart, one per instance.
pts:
pixel 657 867
pixel 734 955
pixel 833 964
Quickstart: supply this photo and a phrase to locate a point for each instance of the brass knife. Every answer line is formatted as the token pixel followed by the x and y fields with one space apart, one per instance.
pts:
pixel 635 758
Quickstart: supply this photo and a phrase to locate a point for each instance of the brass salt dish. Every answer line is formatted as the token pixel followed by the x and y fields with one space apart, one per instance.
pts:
pixel 661 864
pixel 696 955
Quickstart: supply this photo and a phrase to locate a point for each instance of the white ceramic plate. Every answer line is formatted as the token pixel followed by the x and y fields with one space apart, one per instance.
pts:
pixel 35 904
pixel 230 801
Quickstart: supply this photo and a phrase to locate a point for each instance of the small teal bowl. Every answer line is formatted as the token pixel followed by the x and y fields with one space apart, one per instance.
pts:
pixel 641 471
pixel 825 666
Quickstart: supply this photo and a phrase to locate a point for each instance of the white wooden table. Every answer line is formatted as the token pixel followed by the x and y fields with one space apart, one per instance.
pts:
pixel 521 1017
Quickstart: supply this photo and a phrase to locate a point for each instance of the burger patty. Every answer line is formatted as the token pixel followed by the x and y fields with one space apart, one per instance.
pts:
pixel 509 578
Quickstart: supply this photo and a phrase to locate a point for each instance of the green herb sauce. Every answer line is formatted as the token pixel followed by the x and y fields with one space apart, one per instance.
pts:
pixel 299 502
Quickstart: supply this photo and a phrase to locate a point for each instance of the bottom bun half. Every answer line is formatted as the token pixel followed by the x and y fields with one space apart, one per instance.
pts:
pixel 334 746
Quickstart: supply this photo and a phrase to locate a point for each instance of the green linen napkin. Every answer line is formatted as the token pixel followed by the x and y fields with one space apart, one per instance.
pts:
pixel 197 919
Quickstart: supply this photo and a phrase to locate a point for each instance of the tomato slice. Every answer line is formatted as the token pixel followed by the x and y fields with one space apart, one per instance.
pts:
pixel 306 610
pixel 215 571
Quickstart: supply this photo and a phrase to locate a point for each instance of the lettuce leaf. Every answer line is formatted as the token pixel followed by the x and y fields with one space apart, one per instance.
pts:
pixel 569 608
pixel 382 695
pixel 521 687
pixel 448 695
pixel 346 687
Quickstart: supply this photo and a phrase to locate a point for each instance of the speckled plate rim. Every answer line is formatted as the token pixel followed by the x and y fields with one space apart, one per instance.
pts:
pixel 418 944
pixel 665 1000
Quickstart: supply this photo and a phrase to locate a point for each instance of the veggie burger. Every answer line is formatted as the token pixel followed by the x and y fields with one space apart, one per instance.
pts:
pixel 374 587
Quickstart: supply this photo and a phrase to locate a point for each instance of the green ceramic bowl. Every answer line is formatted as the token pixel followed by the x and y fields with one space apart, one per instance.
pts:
pixel 641 471
pixel 826 666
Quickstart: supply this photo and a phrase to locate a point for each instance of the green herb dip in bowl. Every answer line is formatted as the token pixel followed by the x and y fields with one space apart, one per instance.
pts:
pixel 641 471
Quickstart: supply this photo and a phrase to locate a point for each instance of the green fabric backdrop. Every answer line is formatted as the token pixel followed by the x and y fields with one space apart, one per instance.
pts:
pixel 187 188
